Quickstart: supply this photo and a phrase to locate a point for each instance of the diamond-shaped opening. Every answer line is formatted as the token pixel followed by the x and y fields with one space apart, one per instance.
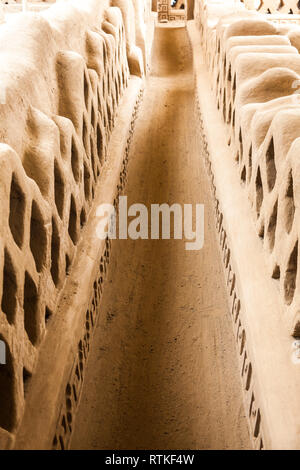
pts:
pixel 117 89
pixel 86 89
pixel 82 217
pixel 73 221
pixel 59 189
pixel 48 315
pixel 259 192
pixel 10 287
pixel 291 275
pixel 272 226
pixel 109 116
pixel 87 182
pixel 30 306
pixel 224 111
pixel 234 88
pixel 250 162
pixel 26 380
pixel 93 117
pixel 276 272
pixel 241 144
pixel 85 136
pixel 93 160
pixel 243 174
pixel 261 231
pixel 38 237
pixel 289 210
pixel 75 160
pixel 55 250
pixel 100 144
pixel 270 165
pixel 68 264
pixel 17 211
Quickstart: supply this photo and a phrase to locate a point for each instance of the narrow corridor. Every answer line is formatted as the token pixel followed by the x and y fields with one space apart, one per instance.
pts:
pixel 162 371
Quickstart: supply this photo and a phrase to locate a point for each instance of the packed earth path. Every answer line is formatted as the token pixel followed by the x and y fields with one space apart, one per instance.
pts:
pixel 163 371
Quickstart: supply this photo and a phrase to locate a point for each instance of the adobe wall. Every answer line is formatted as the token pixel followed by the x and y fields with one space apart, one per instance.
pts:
pixel 64 73
pixel 252 66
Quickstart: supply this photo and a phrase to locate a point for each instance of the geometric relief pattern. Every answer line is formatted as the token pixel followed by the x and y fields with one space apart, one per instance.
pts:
pixel 46 196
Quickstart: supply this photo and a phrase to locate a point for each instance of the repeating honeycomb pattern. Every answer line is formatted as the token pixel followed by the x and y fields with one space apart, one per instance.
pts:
pixel 255 75
pixel 46 195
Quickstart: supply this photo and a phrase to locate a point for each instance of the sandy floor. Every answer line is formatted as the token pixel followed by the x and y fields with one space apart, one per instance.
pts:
pixel 162 371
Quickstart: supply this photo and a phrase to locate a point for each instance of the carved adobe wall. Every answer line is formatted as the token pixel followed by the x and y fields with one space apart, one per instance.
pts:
pixel 64 73
pixel 255 73
pixel 254 69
